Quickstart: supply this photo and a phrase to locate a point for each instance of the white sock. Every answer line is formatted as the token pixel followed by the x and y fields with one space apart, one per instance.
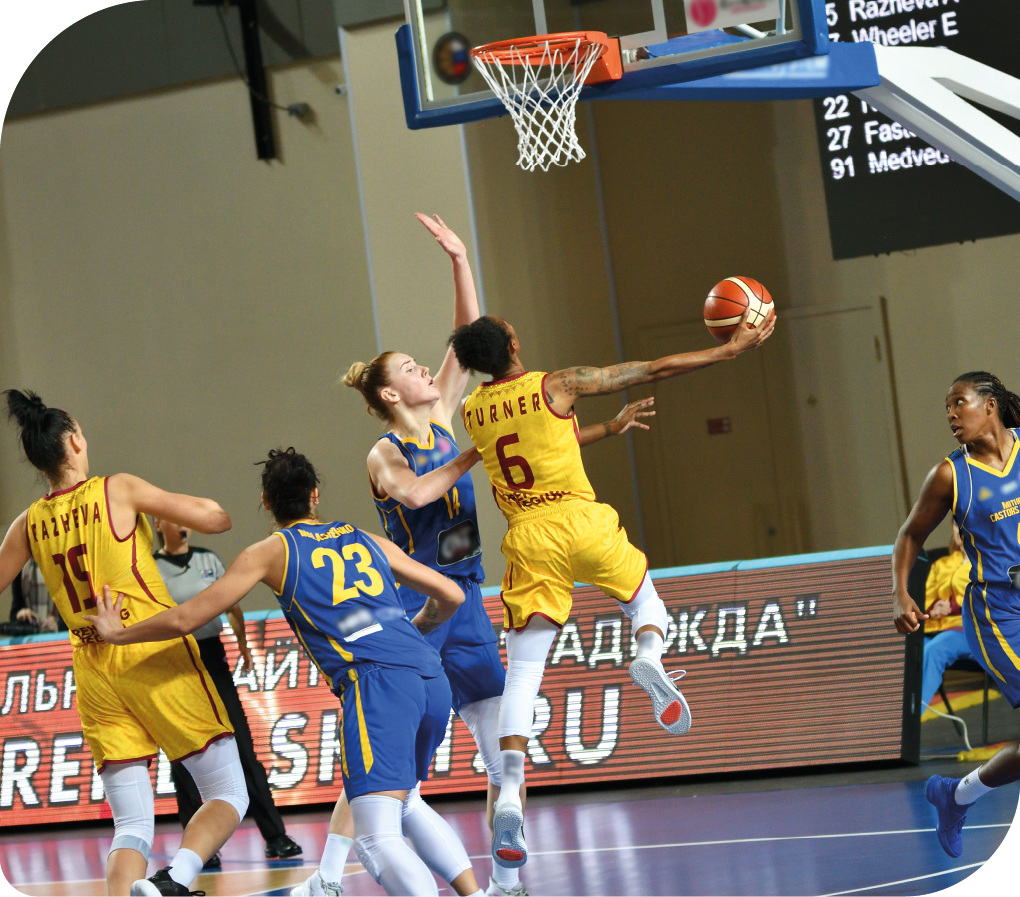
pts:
pixel 334 858
pixel 507 879
pixel 185 867
pixel 649 644
pixel 512 774
pixel 970 789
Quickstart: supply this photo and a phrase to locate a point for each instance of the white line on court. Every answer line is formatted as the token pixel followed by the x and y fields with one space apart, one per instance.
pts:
pixel 905 831
pixel 903 881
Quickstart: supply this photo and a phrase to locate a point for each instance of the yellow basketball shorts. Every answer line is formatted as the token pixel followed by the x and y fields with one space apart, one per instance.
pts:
pixel 134 699
pixel 548 551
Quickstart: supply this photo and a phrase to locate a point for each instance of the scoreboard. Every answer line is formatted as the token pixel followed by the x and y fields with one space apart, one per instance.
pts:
pixel 885 188
pixel 790 663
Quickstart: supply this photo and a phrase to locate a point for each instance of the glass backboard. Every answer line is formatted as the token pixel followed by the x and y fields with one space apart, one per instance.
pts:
pixel 661 42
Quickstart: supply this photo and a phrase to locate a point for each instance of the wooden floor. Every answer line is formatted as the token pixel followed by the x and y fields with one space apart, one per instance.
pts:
pixel 812 836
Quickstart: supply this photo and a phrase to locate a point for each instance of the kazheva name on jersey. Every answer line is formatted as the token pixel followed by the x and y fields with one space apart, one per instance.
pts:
pixel 77 517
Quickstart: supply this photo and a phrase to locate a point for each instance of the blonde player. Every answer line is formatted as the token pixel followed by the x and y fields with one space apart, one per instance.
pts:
pixel 524 426
pixel 89 531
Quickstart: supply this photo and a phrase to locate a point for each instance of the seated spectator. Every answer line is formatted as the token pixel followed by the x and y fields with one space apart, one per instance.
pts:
pixel 944 642
pixel 31 602
pixel 187 571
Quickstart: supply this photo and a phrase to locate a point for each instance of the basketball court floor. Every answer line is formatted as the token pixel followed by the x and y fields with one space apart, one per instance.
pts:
pixel 865 832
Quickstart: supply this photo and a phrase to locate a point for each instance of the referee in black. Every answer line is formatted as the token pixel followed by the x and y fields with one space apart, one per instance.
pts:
pixel 186 572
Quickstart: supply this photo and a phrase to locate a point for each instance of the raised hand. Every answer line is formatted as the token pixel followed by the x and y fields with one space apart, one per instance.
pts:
pixel 745 337
pixel 107 619
pixel 452 245
pixel 628 417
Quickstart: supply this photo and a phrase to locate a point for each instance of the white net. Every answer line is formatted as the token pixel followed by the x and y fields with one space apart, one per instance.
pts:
pixel 539 88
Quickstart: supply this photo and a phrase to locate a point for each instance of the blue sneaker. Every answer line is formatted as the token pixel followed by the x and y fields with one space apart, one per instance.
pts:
pixel 941 794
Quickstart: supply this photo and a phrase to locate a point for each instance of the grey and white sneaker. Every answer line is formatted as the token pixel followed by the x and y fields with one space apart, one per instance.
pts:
pixel 508 847
pixel 316 886
pixel 494 890
pixel 668 702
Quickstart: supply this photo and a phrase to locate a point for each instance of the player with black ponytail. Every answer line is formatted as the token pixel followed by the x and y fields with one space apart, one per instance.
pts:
pixel 337 588
pixel 87 531
pixel 979 484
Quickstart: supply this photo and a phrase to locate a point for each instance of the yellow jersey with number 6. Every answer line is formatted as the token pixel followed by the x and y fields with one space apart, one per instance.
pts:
pixel 530 452
pixel 73 542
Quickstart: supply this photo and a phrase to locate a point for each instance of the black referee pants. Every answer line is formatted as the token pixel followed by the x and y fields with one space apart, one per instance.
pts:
pixel 260 799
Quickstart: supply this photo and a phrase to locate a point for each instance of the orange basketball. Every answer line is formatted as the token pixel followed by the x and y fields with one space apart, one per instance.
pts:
pixel 727 302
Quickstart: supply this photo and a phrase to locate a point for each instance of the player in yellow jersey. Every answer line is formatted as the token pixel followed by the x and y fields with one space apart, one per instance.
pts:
pixel 87 532
pixel 524 426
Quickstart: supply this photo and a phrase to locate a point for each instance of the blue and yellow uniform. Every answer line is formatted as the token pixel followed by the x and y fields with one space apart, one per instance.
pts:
pixel 340 599
pixel 986 505
pixel 444 536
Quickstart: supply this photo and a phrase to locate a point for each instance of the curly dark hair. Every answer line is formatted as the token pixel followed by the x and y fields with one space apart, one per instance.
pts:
pixel 288 480
pixel 990 386
pixel 42 431
pixel 483 346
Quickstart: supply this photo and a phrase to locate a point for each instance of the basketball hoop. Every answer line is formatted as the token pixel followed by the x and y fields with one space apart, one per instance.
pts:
pixel 539 79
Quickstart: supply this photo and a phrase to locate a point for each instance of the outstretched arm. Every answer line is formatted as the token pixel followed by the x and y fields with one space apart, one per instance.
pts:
pixel 131 495
pixel 260 562
pixel 934 502
pixel 444 595
pixel 564 387
pixel 392 476
pixel 619 425
pixel 452 379
pixel 14 552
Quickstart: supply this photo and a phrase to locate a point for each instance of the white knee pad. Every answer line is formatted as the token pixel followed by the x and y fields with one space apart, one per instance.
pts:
pixel 646 609
pixel 382 851
pixel 218 774
pixel 482 719
pixel 432 837
pixel 129 793
pixel 526 652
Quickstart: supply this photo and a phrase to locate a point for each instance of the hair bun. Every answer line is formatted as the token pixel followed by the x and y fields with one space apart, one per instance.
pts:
pixel 25 407
pixel 355 377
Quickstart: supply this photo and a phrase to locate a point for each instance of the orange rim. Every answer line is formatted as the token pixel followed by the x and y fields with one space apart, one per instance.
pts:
pixel 531 50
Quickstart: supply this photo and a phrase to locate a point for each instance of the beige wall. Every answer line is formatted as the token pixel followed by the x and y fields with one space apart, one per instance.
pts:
pixel 950 307
pixel 189 305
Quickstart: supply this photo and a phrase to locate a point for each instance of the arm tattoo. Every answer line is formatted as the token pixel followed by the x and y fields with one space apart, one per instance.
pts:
pixel 427 619
pixel 589 381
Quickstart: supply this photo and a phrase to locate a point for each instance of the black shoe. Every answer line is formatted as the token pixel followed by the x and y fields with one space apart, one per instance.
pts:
pixel 159 884
pixel 282 848
pixel 213 863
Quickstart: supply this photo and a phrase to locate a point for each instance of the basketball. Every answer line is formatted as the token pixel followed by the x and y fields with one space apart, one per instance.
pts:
pixel 727 302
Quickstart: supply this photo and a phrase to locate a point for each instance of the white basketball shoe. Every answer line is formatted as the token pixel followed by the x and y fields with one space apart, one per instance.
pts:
pixel 508 846
pixel 316 886
pixel 494 890
pixel 668 702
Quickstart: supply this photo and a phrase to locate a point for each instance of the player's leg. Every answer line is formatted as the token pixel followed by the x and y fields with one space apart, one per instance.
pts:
pixel 121 748
pixel 169 691
pixel 432 836
pixel 380 846
pixel 129 793
pixel 470 654
pixel 995 647
pixel 604 557
pixel 326 880
pixel 527 650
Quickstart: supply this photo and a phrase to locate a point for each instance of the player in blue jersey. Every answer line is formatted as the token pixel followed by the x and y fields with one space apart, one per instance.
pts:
pixel 979 484
pixel 426 502
pixel 337 590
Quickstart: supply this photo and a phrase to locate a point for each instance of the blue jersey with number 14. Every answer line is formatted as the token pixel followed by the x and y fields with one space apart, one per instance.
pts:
pixel 442 535
pixel 339 596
